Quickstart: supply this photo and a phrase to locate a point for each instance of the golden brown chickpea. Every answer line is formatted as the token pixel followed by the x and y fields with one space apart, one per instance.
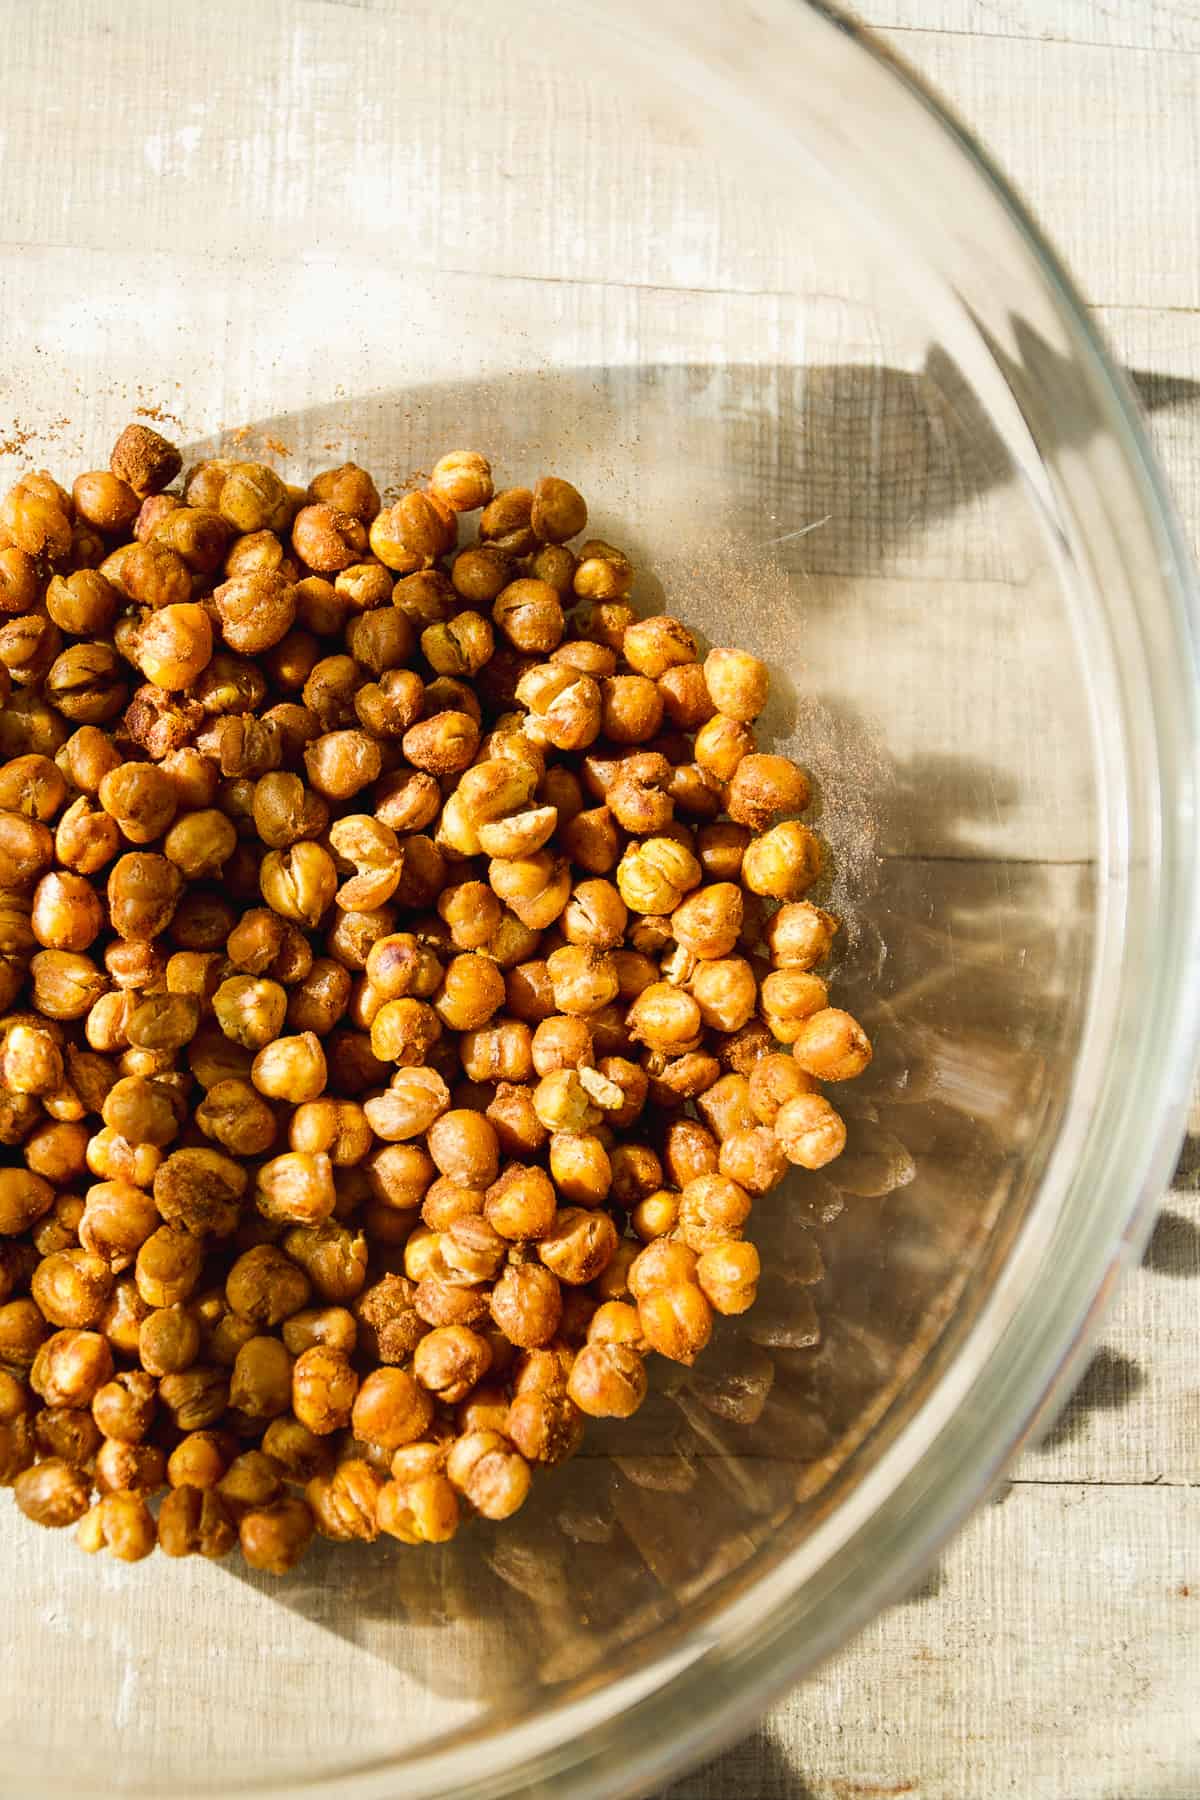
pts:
pixel 274 1538
pixel 711 1209
pixel 450 1360
pixel 53 1493
pixel 725 1106
pixel 530 615
pixel 33 786
pixel 71 1367
pixel 738 683
pixel 463 480
pixel 85 839
pixel 603 573
pixel 592 841
pixel 579 1245
pixel 145 460
pixel 327 538
pixel 23 1330
pixel 345 1501
pixel 338 1127
pixel 721 743
pixel 484 1467
pixel 71 1287
pixel 124 1407
pixel 143 892
pixel 638 796
pixel 250 1010
pixel 709 921
pixel 297 1451
pixel 471 990
pixel 332 1256
pixel 687 704
pixel 117 1220
pixel 636 1172
pixel 168 1341
pixel 174 645
pixel 832 1046
pixel 753 1159
pixel 66 1431
pixel 237 1118
pixel 296 1189
pixel 464 1146
pixel 809 1131
pixel 580 1166
pixel 57 1151
pixel 168 1266
pixel 656 1215
pixel 774 1080
pixel 521 1203
pixel 26 849
pixel 595 915
pixel 558 511
pixel 617 1322
pixel 562 1102
pixel 404 1031
pixel 653 876
pixel 67 912
pixel 18 580
pixel 728 1276
pixel 31 1058
pixel 676 1321
pixel 323 1390
pixel 290 1068
pixel 391 1409
pixel 789 998
pixel 65 985
pixel 607 1381
pixel 331 1327
pixel 421 1511
pixel 348 489
pixel 561 1043
pixel 261 1384
pixel 665 1018
pixel 413 533
pixel 194 1520
pixel 320 999
pixel 726 992
pixel 784 863
pixel 199 1460
pixel 472 913
pixel 506 522
pixel 764 786
pixel 800 936
pixel 583 979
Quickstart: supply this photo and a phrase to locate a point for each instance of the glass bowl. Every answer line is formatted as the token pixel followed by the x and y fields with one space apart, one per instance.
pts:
pixel 748 286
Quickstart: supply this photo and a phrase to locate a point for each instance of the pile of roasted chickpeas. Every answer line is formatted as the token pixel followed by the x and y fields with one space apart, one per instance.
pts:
pixel 406 988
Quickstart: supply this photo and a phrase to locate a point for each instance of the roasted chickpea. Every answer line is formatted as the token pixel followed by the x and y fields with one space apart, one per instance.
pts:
pixel 413 533
pixel 653 876
pixel 727 1274
pixel 607 1380
pixel 809 1131
pixel 784 862
pixel 676 1321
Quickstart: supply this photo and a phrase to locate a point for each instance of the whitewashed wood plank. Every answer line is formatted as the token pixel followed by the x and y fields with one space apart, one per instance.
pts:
pixel 1057 1655
pixel 1115 24
pixel 1103 142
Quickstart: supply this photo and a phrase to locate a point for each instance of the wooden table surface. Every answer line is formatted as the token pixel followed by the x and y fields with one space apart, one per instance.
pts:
pixel 1056 1649
pixel 1055 1652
